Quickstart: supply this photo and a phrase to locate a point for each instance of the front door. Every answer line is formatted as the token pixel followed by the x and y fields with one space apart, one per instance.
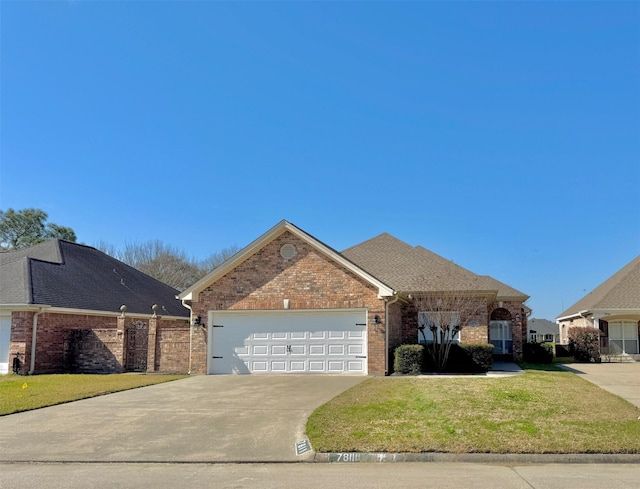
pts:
pixel 500 337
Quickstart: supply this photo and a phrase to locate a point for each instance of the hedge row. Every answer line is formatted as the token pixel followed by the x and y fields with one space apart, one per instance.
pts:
pixel 463 358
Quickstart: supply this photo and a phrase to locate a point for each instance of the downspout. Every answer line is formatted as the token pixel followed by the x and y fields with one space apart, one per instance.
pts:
pixel 386 332
pixel 184 303
pixel 34 334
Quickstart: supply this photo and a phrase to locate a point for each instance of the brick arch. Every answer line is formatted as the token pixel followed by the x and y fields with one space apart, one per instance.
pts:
pixel 501 314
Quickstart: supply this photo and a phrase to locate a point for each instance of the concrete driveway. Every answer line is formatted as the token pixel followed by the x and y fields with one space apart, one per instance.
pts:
pixel 230 418
pixel 621 379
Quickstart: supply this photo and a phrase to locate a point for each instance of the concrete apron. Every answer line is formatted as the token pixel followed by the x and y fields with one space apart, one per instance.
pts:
pixel 231 418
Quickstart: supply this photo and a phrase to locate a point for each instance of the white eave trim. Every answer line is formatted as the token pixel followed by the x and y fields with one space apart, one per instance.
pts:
pixel 23 307
pixel 89 312
pixel 191 294
pixel 579 314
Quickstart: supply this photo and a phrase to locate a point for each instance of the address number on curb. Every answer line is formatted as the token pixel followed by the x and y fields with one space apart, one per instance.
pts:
pixel 344 457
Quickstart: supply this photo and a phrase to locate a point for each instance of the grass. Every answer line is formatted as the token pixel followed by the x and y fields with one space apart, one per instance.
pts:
pixel 18 393
pixel 541 411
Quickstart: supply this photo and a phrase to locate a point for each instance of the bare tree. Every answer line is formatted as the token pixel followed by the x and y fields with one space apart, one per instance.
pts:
pixel 165 262
pixel 441 318
pixel 216 259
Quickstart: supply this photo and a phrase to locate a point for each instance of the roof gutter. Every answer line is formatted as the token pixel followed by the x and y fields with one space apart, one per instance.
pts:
pixel 396 298
pixel 184 303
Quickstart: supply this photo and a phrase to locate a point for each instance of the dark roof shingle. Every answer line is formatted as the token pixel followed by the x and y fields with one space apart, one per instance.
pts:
pixel 69 275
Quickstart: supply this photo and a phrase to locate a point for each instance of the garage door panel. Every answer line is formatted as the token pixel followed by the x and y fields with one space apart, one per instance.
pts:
pixel 260 349
pixel 260 366
pixel 355 365
pixel 288 342
pixel 279 366
pixel 335 366
pixel 298 366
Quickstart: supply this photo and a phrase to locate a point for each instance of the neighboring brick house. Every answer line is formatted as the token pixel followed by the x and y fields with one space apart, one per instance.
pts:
pixel 614 308
pixel 289 303
pixel 60 311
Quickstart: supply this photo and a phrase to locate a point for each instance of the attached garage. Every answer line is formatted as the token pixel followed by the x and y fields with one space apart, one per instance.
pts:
pixel 288 341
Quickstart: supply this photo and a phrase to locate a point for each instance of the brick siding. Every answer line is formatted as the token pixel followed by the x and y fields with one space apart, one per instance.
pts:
pixel 309 280
pixel 91 343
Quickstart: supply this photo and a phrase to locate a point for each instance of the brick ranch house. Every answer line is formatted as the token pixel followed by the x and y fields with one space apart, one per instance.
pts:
pixel 614 308
pixel 60 311
pixel 288 303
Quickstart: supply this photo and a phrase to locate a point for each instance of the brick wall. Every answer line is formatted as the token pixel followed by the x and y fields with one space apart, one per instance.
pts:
pixel 91 343
pixel 309 280
pixel 92 350
pixel 172 346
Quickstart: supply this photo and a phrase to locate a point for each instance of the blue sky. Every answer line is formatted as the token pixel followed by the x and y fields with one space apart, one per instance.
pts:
pixel 504 136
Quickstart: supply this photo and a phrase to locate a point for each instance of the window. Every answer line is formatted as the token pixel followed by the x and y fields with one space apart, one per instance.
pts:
pixel 428 319
pixel 548 337
pixel 625 336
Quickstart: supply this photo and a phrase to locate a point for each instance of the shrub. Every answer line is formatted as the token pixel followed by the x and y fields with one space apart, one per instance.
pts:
pixel 584 344
pixel 481 355
pixel 465 358
pixel 539 352
pixel 562 351
pixel 408 359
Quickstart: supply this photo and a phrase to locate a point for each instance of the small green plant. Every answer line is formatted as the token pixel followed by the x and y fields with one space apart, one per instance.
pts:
pixel 584 344
pixel 408 359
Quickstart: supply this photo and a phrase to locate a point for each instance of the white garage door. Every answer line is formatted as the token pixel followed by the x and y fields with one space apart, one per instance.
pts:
pixel 5 341
pixel 331 342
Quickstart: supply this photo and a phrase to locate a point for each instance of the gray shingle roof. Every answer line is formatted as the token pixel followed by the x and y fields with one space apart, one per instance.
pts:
pixel 69 275
pixel 416 269
pixel 620 291
pixel 542 326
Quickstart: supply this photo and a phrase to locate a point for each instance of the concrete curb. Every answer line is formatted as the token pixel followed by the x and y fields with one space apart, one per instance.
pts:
pixel 481 458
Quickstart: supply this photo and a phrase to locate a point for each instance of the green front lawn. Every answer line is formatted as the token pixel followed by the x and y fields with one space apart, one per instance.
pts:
pixel 537 412
pixel 18 393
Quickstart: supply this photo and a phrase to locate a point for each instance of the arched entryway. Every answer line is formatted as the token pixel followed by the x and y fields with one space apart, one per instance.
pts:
pixel 500 334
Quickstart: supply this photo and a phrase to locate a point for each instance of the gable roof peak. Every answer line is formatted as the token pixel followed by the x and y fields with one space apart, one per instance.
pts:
pixel 191 293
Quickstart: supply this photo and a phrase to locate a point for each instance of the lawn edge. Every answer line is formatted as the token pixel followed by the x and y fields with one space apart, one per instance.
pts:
pixel 480 458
